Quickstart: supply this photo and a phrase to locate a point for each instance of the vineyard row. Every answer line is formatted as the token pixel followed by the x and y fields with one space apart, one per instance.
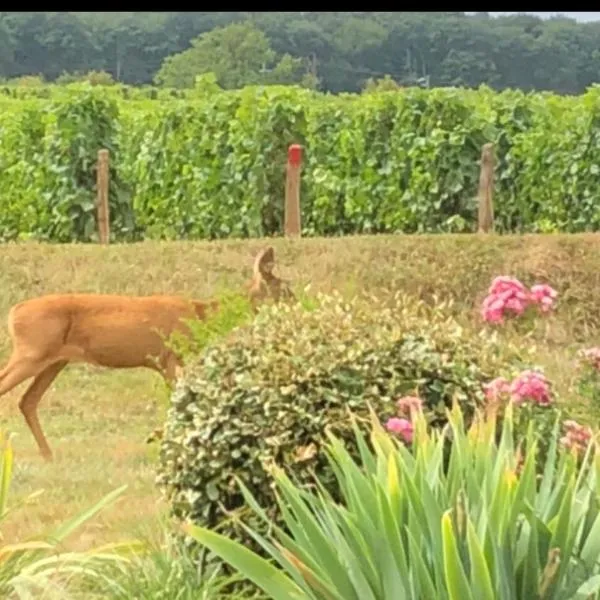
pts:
pixel 214 167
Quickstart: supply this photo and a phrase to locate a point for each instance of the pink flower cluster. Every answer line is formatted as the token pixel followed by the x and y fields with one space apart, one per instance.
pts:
pixel 508 296
pixel 528 386
pixel 544 296
pixel 591 357
pixel 531 386
pixel 400 425
pixel 576 436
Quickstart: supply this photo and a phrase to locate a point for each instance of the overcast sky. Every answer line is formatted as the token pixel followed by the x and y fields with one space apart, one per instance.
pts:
pixel 580 16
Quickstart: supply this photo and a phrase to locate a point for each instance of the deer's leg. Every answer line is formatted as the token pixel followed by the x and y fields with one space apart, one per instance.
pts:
pixel 169 373
pixel 168 370
pixel 30 400
pixel 18 370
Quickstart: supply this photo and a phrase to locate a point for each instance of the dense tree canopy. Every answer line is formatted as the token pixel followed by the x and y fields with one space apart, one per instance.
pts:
pixel 238 54
pixel 342 51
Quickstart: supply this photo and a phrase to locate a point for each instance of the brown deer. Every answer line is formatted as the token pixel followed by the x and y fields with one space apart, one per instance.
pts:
pixel 113 331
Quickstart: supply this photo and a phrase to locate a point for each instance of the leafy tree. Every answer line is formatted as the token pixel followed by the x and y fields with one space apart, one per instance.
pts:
pixel 237 54
pixel 338 51
pixel 7 53
pixel 385 84
pixel 287 71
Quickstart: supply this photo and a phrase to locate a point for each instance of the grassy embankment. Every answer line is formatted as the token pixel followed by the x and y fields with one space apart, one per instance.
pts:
pixel 97 420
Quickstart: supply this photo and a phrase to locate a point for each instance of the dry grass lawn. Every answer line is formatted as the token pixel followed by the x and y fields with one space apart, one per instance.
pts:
pixel 97 420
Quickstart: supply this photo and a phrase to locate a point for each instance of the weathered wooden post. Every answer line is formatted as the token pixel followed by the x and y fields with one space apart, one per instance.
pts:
pixel 102 185
pixel 293 227
pixel 485 218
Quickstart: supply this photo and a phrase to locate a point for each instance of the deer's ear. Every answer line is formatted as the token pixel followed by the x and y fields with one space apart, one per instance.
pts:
pixel 269 254
pixel 265 256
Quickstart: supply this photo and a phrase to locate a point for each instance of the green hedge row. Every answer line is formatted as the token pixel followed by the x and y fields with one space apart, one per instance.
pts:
pixel 215 166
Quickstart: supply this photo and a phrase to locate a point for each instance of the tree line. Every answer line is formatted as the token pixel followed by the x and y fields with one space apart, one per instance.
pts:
pixel 334 51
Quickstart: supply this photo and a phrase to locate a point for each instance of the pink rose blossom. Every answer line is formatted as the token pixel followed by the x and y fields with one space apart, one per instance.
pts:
pixel 516 305
pixel 401 427
pixel 566 442
pixel 527 386
pixel 542 290
pixel 576 436
pixel 591 356
pixel 508 296
pixel 496 388
pixel 533 386
pixel 503 283
pixel 407 404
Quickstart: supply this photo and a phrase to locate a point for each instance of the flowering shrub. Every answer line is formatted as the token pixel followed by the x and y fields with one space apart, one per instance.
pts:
pixel 479 526
pixel 531 392
pixel 543 295
pixel 589 375
pixel 591 357
pixel 407 405
pixel 507 296
pixel 496 388
pixel 529 386
pixel 576 437
pixel 402 427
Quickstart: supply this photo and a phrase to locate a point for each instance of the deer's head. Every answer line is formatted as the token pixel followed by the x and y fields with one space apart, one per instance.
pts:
pixel 265 286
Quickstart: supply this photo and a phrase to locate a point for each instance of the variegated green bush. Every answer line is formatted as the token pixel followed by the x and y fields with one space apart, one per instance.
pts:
pixel 482 527
pixel 269 392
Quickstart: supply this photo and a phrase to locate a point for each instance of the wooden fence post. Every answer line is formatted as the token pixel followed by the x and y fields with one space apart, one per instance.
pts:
pixel 102 184
pixel 485 217
pixel 292 225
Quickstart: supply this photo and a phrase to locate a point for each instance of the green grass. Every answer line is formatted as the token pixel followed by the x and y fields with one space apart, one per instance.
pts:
pixel 97 420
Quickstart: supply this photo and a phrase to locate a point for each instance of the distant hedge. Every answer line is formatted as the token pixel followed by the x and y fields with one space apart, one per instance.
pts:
pixel 214 166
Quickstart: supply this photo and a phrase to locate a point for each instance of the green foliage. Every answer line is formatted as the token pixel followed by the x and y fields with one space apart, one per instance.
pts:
pixel 234 311
pixel 385 84
pixel 211 164
pixel 288 71
pixel 39 566
pixel 206 84
pixel 92 77
pixel 543 421
pixel 409 527
pixel 269 392
pixel 237 54
pixel 49 157
pixel 384 162
pixel 344 48
pixel 166 570
pixel 79 129
pixel 29 81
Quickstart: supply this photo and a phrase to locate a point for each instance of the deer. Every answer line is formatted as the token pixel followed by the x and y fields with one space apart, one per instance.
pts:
pixel 107 330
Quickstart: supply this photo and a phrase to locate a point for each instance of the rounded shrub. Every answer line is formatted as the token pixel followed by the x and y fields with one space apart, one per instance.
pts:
pixel 268 392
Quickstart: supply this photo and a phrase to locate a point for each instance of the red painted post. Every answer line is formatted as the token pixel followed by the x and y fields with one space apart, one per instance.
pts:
pixel 292 225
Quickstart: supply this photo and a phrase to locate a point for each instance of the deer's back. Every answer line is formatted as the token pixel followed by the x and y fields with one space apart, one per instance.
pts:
pixel 109 330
